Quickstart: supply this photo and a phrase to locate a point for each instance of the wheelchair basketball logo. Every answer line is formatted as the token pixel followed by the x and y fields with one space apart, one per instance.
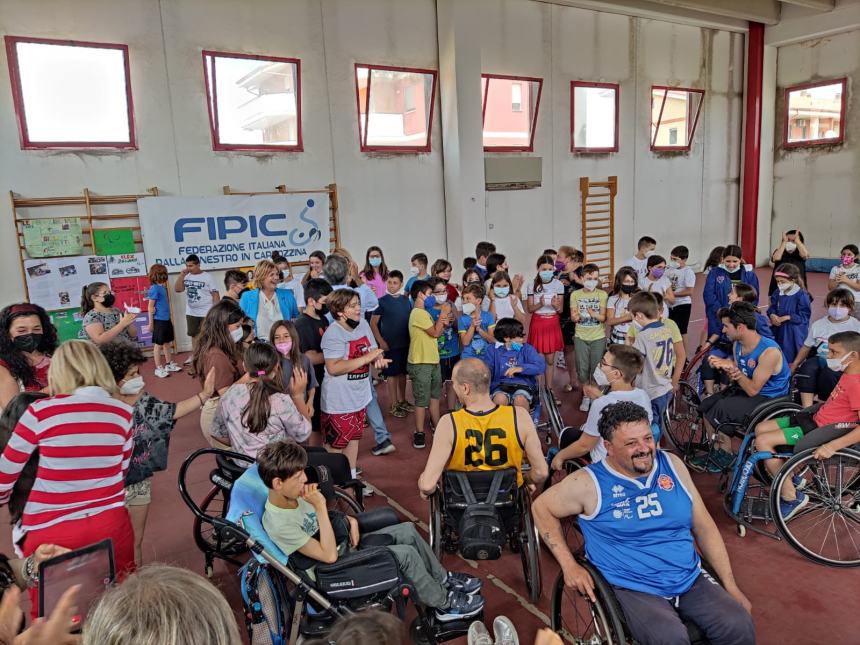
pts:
pixel 665 482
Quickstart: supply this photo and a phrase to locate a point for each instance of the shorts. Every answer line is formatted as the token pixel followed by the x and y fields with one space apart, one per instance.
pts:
pixel 397 356
pixel 514 390
pixel 139 494
pixel 568 331
pixel 795 425
pixel 193 324
pixel 340 429
pixel 730 406
pixel 680 314
pixel 162 332
pixel 426 382
pixel 447 366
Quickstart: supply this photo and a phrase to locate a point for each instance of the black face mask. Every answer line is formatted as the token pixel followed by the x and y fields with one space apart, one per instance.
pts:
pixel 323 311
pixel 27 342
pixel 352 324
pixel 628 288
pixel 109 300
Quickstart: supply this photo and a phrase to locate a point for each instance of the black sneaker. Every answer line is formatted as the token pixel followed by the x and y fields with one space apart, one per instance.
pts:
pixel 384 448
pixel 460 606
pixel 418 440
pixel 463 583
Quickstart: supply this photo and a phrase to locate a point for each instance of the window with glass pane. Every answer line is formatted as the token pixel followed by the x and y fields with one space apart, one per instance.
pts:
pixel 509 109
pixel 395 108
pixel 593 117
pixel 255 102
pixel 71 94
pixel 815 114
pixel 674 116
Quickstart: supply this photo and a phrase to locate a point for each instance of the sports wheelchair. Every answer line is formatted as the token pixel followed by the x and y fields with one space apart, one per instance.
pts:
pixel 504 516
pixel 229 466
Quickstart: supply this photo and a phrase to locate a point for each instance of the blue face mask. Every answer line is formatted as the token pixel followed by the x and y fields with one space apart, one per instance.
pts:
pixel 516 346
pixel 430 301
pixel 375 262
pixel 545 276
pixel 502 292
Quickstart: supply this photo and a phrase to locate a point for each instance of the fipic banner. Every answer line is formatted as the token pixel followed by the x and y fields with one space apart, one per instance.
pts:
pixel 233 230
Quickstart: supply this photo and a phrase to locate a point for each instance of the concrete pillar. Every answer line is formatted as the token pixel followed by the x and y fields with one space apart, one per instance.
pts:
pixel 459 28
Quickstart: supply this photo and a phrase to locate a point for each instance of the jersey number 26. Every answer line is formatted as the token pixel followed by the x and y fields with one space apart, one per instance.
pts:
pixel 494 454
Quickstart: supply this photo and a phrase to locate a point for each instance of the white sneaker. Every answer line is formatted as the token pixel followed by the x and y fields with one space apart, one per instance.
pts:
pixel 585 406
pixel 172 367
pixel 189 360
pixel 160 372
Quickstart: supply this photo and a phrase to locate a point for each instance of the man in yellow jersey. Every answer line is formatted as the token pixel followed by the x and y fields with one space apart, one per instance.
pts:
pixel 482 435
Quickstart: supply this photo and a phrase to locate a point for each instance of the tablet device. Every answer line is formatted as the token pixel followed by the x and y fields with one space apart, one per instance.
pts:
pixel 92 567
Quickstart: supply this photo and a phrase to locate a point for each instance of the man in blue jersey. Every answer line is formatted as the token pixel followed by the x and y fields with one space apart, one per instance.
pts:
pixel 758 372
pixel 640 515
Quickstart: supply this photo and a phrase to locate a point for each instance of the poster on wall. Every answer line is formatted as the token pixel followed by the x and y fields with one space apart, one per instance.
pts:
pixel 56 283
pixel 68 323
pixel 126 265
pixel 131 292
pixel 53 237
pixel 113 241
pixel 233 230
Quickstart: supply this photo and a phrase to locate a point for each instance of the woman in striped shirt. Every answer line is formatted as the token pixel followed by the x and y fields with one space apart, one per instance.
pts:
pixel 84 440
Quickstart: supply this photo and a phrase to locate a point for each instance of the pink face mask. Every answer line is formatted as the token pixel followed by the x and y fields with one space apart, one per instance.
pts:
pixel 847 260
pixel 284 348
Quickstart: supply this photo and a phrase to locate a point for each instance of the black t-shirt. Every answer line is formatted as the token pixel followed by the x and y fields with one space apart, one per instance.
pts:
pixel 311 331
pixel 393 315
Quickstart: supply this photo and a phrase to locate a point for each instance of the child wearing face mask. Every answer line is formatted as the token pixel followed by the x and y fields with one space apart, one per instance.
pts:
pixel 423 360
pixel 102 321
pixel 683 281
pixel 289 280
pixel 811 360
pixel 390 325
pixel 449 343
pixel 588 311
pixel 655 280
pixel 152 422
pixel 375 272
pixel 789 311
pixel 284 337
pixel 417 271
pixel 505 301
pixel 832 424
pixel 645 248
pixel 731 270
pixel 617 317
pixel 544 303
pixel 846 275
pixel 791 250
pixel 514 365
pixel 475 326
pixel 442 269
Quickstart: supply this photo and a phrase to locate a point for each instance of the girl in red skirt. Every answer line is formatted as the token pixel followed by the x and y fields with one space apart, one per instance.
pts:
pixel 544 303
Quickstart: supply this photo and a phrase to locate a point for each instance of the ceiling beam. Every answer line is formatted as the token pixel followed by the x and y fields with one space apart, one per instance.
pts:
pixel 819 5
pixel 658 11
pixel 763 11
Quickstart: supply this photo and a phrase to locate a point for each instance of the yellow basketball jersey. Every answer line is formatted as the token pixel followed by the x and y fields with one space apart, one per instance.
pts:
pixel 486 441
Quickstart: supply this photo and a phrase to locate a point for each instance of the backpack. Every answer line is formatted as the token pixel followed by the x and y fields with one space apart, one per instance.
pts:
pixel 267 604
pixel 481 530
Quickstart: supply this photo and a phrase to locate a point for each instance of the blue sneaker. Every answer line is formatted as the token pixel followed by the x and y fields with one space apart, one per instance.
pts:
pixel 463 583
pixel 790 509
pixel 798 482
pixel 460 606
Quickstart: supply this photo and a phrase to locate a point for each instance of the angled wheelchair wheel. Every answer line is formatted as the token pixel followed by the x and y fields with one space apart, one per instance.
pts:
pixel 435 524
pixel 208 540
pixel 686 428
pixel 345 503
pixel 778 410
pixel 578 620
pixel 529 549
pixel 827 529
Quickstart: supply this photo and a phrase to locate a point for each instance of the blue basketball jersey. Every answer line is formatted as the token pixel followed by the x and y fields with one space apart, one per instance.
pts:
pixel 778 384
pixel 639 534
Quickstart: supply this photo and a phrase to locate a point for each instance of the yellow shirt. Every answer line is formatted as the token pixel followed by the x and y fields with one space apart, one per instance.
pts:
pixel 423 348
pixel 486 441
pixel 671 324
pixel 584 303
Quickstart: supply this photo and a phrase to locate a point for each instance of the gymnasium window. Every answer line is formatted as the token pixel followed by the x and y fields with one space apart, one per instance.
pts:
pixel 71 94
pixel 593 117
pixel 395 108
pixel 254 102
pixel 674 116
pixel 814 114
pixel 509 109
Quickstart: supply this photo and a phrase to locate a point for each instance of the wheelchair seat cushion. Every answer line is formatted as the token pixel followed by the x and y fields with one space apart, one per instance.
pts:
pixel 480 483
pixel 359 574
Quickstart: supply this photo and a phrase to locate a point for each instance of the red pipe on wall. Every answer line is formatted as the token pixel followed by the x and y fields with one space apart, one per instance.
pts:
pixel 752 140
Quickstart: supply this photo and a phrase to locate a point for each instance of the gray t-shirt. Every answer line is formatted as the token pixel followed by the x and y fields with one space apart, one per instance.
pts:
pixel 109 320
pixel 640 397
pixel 347 392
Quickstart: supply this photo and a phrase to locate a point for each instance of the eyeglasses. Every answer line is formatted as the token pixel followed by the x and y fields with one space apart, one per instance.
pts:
pixel 603 363
pixel 440 293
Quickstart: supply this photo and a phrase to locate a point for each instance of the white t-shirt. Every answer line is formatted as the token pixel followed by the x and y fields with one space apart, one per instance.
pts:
pixel 552 288
pixel 683 278
pixel 824 328
pixel 504 308
pixel 852 273
pixel 635 395
pixel 348 392
pixel 295 284
pixel 268 313
pixel 639 266
pixel 199 289
pixel 617 304
pixel 660 286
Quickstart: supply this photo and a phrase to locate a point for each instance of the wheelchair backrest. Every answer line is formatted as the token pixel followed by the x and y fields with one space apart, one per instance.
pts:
pixel 247 504
pixel 337 464
pixel 480 483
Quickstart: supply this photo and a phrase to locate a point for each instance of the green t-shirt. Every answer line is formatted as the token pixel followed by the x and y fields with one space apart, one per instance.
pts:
pixel 291 528
pixel 585 303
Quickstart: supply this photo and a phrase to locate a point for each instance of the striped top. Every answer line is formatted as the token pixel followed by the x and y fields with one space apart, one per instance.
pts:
pixel 84 441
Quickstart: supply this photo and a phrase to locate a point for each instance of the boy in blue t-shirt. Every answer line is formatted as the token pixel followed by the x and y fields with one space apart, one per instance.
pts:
pixel 418 271
pixel 160 325
pixel 390 325
pixel 449 341
pixel 514 365
pixel 475 326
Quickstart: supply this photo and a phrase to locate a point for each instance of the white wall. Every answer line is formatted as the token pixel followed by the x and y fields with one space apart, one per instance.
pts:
pixel 399 201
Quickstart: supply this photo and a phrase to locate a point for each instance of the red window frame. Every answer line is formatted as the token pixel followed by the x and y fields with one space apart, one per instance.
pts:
pixel 212 106
pixel 362 139
pixel 692 132
pixel 18 96
pixel 815 142
pixel 528 79
pixel 612 86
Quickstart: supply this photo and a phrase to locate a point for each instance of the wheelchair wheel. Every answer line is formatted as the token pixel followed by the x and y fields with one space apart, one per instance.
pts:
pixel 827 529
pixel 530 549
pixel 686 426
pixel 760 472
pixel 207 538
pixel 435 524
pixel 578 620
pixel 345 503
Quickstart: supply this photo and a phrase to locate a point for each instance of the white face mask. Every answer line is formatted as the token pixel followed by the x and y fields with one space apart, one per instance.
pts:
pixel 648 254
pixel 469 308
pixel 673 264
pixel 784 286
pixel 132 386
pixel 838 313
pixel 836 364
pixel 237 334
pixel 413 270
pixel 599 377
pixel 590 285
pixel 441 298
pixel 791 247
